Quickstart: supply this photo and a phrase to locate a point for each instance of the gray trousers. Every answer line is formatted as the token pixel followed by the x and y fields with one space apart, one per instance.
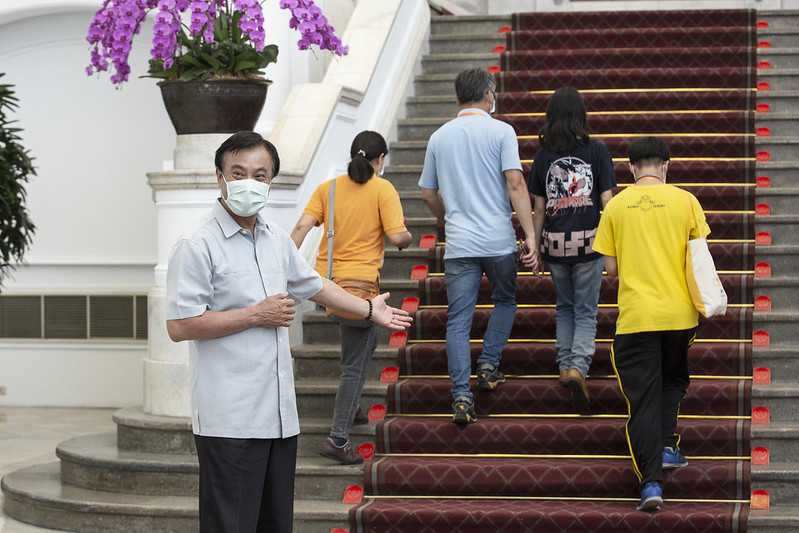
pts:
pixel 358 343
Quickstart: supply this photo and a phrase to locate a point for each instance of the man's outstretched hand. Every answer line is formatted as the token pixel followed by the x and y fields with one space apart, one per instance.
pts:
pixel 388 316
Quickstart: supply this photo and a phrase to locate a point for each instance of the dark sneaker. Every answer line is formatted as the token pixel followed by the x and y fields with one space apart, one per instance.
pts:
pixel 344 455
pixel 360 418
pixel 672 458
pixel 463 410
pixel 651 497
pixel 489 377
pixel 581 401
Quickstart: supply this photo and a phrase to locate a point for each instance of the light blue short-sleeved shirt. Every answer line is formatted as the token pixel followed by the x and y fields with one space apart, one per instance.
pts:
pixel 466 159
pixel 242 385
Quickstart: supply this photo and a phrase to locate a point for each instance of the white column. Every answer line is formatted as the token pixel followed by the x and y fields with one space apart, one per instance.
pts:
pixel 181 196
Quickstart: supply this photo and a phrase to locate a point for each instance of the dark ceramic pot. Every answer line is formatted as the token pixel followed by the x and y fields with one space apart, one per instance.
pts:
pixel 218 105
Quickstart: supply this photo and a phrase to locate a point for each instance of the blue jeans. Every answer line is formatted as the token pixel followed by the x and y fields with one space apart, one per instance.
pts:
pixel 576 296
pixel 463 276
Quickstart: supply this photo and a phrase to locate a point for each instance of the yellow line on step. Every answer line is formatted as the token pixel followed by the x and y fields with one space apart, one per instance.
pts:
pixel 563 415
pixel 550 376
pixel 547 456
pixel 656 90
pixel 545 341
pixel 538 498
pixel 672 135
pixel 734 272
pixel 552 306
pixel 653 112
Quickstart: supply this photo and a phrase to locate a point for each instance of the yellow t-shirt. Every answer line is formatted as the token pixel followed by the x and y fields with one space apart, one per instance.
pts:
pixel 644 227
pixel 365 214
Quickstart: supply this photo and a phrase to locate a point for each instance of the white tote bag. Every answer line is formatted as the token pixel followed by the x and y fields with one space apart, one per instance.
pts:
pixel 704 284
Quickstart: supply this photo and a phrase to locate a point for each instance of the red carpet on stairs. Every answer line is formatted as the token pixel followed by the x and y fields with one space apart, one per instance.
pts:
pixel 529 463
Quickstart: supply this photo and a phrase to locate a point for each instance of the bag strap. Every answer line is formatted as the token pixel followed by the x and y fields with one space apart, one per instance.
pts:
pixel 331 198
pixel 689 208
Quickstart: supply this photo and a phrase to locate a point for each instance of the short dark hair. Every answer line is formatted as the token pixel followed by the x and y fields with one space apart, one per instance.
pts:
pixel 473 84
pixel 244 140
pixel 648 151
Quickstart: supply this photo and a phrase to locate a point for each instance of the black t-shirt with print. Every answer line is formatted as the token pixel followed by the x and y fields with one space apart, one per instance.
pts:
pixel 571 183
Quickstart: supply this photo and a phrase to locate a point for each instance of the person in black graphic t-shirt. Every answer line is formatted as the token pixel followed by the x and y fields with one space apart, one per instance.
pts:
pixel 571 179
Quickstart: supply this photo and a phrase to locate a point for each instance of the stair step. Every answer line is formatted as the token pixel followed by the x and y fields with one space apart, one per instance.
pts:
pixel 35 495
pixel 782 326
pixel 319 478
pixel 776 519
pixel 323 361
pixel 779 437
pixel 143 432
pixel 782 79
pixel 455 63
pixel 781 200
pixel 460 25
pixel 313 431
pixel 457 43
pixel 316 397
pixel 781 479
pixel 780 288
pixel 320 515
pixel 781 57
pixel 94 462
pixel 781 173
pixel 780 397
pixel 780 360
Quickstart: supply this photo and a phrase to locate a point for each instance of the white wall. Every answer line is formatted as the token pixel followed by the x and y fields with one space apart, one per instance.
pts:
pixel 96 221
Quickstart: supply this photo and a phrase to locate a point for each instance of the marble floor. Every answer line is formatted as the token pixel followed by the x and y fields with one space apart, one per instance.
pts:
pixel 29 436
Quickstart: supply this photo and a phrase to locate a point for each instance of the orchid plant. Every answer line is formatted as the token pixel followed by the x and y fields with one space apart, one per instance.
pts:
pixel 199 39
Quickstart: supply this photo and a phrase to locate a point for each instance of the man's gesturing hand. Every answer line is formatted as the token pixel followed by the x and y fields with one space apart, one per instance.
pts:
pixel 275 311
pixel 388 316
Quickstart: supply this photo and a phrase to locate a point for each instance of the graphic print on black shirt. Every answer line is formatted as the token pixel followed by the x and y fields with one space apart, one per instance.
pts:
pixel 569 185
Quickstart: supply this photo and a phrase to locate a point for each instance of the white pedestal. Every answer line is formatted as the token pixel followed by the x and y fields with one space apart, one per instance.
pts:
pixel 181 196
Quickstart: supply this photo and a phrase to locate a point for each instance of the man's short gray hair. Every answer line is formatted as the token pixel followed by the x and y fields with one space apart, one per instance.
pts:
pixel 473 84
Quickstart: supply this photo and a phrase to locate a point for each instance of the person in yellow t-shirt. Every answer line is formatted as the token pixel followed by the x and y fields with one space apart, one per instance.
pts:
pixel 367 209
pixel 643 235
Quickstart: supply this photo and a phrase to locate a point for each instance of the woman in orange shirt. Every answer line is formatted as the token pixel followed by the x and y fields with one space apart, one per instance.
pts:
pixel 366 210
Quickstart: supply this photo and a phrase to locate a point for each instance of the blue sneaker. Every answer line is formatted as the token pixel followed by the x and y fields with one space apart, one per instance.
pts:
pixel 651 497
pixel 672 458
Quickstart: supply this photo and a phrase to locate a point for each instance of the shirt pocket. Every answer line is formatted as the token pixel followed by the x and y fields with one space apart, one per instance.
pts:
pixel 236 289
pixel 274 281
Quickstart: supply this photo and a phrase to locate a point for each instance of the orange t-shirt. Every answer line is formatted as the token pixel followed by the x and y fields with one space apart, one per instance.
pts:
pixel 365 214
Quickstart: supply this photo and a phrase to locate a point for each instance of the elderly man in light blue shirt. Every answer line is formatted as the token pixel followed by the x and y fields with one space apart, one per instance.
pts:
pixel 472 176
pixel 232 283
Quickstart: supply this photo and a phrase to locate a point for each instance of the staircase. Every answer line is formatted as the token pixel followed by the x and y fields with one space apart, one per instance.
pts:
pixel 143 478
pixel 433 105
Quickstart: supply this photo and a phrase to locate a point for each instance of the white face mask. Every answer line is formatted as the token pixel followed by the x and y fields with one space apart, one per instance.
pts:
pixel 246 197
pixel 493 104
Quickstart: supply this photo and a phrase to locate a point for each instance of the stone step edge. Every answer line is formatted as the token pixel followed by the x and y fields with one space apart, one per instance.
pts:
pixel 135 417
pixel 78 500
pixel 42 483
pixel 330 386
pixel 100 451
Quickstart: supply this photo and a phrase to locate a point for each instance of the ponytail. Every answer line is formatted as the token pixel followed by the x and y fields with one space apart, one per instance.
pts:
pixel 366 146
